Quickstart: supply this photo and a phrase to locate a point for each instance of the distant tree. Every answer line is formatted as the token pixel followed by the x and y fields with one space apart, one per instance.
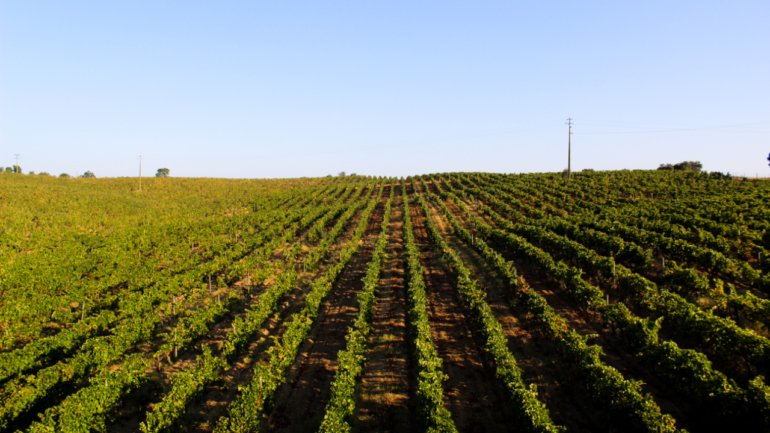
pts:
pixel 8 170
pixel 720 175
pixel 689 165
pixel 341 174
pixel 17 169
pixel 162 172
pixel 88 174
pixel 64 176
pixel 684 165
pixel 43 173
pixel 768 157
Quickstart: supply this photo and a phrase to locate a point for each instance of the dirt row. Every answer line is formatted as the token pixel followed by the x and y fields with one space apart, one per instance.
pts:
pixel 565 403
pixel 219 395
pixel 126 418
pixel 203 413
pixel 299 403
pixel 473 395
pixel 386 394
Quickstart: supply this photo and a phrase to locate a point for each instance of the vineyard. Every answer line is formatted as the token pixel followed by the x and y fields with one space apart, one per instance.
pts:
pixel 626 301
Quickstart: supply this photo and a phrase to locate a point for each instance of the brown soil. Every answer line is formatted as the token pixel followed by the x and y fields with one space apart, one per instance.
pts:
pixel 212 404
pixel 535 356
pixel 128 417
pixel 475 398
pixel 386 395
pixel 299 403
pixel 202 416
pixel 615 354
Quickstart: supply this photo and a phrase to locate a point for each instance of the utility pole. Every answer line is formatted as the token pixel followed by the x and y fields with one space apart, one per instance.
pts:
pixel 569 147
pixel 140 173
pixel 16 167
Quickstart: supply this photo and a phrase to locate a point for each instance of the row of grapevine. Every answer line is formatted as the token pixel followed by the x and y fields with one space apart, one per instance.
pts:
pixel 167 412
pixel 622 397
pixel 245 412
pixel 687 370
pixel 129 260
pixel 736 345
pixel 38 353
pixel 430 394
pixel 342 403
pixel 143 325
pixel 662 230
pixel 532 413
pixel 610 300
pixel 745 307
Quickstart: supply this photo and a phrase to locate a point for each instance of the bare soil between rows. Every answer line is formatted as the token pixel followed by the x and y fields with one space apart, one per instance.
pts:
pixel 205 411
pixel 614 352
pixel 299 403
pixel 473 395
pixel 387 389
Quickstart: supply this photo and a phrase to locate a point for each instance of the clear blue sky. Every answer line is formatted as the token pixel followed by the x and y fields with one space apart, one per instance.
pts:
pixel 309 88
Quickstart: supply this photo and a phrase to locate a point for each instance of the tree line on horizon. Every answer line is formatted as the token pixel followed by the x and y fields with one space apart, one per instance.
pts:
pixel 15 169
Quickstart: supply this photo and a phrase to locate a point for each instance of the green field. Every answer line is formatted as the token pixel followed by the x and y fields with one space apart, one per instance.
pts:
pixel 633 301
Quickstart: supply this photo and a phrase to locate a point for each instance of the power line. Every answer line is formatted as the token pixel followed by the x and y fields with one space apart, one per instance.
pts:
pixel 666 130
